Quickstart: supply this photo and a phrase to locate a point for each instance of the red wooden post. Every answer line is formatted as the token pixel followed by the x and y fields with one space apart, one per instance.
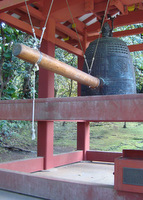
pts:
pixel 83 128
pixel 83 134
pixel 46 89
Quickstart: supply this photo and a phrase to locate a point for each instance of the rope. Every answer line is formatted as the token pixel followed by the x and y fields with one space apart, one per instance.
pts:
pixel 33 30
pixel 37 46
pixel 85 59
pixel 33 107
pixel 99 36
pixel 44 28
pixel 77 35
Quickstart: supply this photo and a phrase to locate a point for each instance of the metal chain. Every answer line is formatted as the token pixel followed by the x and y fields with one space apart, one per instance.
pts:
pixel 77 35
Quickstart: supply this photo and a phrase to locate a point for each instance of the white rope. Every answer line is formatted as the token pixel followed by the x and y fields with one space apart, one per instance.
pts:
pixel 36 46
pixel 44 28
pixel 33 30
pixel 33 107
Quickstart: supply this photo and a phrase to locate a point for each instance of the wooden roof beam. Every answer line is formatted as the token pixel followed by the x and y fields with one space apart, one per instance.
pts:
pixel 100 7
pixel 119 34
pixel 68 31
pixel 135 47
pixel 132 18
pixel 68 47
pixel 23 26
pixel 61 13
pixel 24 17
pixel 80 26
pixel 7 5
pixel 119 5
pixel 130 2
pixel 89 5
pixel 33 12
pixel 128 32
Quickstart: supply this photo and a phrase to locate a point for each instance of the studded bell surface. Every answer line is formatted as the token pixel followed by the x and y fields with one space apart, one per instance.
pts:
pixel 112 64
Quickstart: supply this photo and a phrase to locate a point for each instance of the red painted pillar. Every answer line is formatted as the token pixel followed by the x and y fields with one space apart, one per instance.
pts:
pixel 83 128
pixel 46 90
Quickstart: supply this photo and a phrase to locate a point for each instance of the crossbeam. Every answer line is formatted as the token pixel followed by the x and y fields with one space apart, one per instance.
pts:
pixel 47 62
pixel 8 5
pixel 96 108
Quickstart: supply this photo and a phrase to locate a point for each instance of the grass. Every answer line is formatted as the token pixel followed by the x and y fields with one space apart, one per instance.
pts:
pixel 113 137
pixel 103 136
pixel 65 134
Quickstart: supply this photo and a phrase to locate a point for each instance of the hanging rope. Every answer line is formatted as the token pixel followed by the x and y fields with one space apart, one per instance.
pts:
pixel 33 30
pixel 44 28
pixel 33 106
pixel 93 58
pixel 89 68
pixel 77 34
pixel 37 46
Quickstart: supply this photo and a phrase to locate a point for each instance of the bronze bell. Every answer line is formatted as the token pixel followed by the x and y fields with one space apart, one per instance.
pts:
pixel 112 65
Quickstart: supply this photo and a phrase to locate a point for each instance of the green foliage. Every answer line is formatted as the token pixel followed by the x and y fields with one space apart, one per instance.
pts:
pixel 65 87
pixel 137 57
pixel 9 132
pixel 15 74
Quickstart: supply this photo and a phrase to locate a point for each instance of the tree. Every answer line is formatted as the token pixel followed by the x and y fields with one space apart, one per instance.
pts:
pixel 15 74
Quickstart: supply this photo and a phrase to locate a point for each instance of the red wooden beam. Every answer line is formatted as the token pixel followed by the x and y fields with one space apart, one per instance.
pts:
pixel 89 5
pixel 27 165
pixel 103 156
pixel 132 18
pixel 7 5
pixel 68 47
pixel 80 26
pixel 61 12
pixel 131 2
pixel 67 158
pixel 120 34
pixel 14 22
pixel 119 5
pixel 136 47
pixel 122 20
pixel 128 32
pixel 68 32
pixel 33 12
pixel 99 108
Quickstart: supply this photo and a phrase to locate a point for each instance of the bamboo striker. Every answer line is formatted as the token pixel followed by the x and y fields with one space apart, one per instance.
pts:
pixel 47 62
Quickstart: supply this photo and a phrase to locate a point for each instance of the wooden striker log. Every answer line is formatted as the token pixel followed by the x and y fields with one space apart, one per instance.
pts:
pixel 47 62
